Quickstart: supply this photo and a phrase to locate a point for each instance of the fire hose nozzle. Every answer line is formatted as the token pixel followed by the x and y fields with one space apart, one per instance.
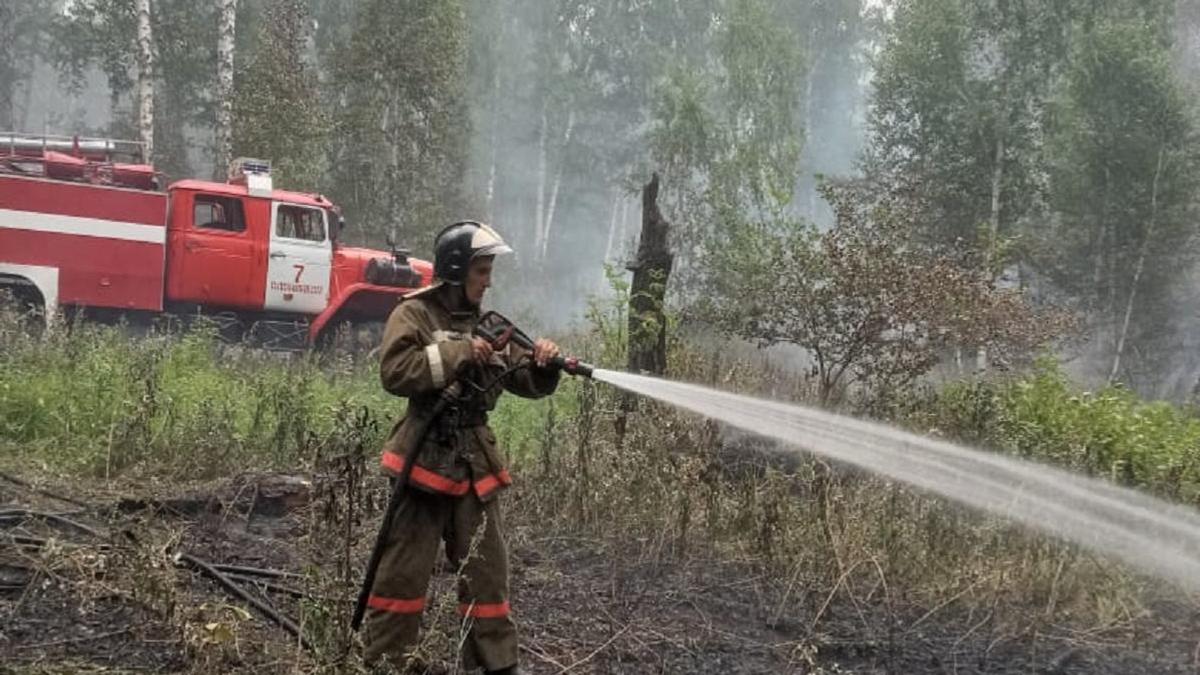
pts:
pixel 498 330
pixel 572 366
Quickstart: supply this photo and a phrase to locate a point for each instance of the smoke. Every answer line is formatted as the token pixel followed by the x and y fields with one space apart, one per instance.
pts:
pixel 45 104
pixel 560 138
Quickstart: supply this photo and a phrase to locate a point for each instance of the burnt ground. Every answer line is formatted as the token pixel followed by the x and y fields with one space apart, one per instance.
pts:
pixel 117 601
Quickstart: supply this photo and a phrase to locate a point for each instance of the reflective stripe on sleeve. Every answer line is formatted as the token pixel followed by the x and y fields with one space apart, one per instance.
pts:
pixel 436 370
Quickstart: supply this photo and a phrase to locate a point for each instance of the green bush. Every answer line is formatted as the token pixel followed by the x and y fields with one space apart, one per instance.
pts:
pixel 1110 432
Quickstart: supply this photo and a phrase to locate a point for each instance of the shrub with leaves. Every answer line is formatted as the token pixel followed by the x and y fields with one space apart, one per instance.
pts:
pixel 870 304
pixel 1110 432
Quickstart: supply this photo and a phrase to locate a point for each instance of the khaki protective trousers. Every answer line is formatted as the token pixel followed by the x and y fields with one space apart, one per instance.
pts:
pixel 476 550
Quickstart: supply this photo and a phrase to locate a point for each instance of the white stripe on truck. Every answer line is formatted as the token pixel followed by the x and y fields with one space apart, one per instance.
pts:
pixel 80 226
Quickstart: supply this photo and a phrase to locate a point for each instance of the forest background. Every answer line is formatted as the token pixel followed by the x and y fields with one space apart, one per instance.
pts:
pixel 1051 146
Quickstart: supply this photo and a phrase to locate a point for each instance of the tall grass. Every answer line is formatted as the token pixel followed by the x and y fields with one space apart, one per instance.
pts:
pixel 94 400
pixel 90 400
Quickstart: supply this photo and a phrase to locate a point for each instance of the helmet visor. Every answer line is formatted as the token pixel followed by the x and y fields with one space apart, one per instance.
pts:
pixel 487 241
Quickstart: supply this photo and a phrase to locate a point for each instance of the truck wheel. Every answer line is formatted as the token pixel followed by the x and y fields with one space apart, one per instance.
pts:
pixel 22 302
pixel 359 340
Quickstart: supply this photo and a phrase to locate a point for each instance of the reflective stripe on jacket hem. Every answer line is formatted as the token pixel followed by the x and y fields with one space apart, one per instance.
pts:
pixel 424 477
pixel 439 483
pixel 497 610
pixel 488 484
pixel 396 605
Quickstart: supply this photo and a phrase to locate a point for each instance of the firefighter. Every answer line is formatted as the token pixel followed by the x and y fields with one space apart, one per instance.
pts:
pixel 458 474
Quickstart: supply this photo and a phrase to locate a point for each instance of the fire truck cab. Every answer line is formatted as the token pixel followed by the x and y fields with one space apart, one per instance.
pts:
pixel 81 230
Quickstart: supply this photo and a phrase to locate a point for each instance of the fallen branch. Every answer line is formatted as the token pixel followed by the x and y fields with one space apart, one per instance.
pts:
pixel 22 514
pixel 240 593
pixel 256 572
pixel 277 588
pixel 42 491
pixel 264 584
pixel 40 542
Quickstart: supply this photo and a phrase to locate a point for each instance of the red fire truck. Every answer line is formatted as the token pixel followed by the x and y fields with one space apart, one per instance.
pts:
pixel 80 229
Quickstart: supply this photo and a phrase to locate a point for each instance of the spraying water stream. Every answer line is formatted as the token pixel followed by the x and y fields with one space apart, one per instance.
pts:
pixel 1148 533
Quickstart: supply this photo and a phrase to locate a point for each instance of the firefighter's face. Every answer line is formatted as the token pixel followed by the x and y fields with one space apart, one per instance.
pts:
pixel 479 279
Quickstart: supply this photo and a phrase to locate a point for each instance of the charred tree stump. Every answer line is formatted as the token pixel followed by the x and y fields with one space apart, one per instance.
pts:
pixel 647 351
pixel 651 269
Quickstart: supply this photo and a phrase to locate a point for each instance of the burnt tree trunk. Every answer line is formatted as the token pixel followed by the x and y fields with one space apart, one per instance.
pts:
pixel 651 269
pixel 647 350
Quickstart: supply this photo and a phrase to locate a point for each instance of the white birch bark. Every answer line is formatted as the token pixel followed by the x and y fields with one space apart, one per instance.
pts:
pixel 612 224
pixel 226 25
pixel 145 63
pixel 1137 271
pixel 540 202
pixel 548 222
pixel 493 139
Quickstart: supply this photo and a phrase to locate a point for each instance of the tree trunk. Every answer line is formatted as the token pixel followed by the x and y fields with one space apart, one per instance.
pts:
pixel 651 271
pixel 226 26
pixel 1137 271
pixel 810 79
pixel 145 64
pixel 558 174
pixel 622 226
pixel 612 223
pixel 989 262
pixel 493 139
pixel 538 222
pixel 647 348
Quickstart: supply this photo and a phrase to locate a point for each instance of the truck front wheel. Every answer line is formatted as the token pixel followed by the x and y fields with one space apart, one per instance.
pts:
pixel 21 301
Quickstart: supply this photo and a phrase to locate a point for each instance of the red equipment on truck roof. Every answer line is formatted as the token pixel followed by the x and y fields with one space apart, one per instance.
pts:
pixel 80 229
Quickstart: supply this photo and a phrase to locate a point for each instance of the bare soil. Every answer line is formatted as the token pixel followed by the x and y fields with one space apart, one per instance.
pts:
pixel 117 602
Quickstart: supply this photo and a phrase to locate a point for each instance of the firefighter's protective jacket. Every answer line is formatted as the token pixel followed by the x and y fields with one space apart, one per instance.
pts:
pixel 426 346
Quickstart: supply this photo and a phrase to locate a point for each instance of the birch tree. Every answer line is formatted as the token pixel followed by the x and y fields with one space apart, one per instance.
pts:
pixel 1124 177
pixel 401 119
pixel 226 26
pixel 145 78
pixel 277 110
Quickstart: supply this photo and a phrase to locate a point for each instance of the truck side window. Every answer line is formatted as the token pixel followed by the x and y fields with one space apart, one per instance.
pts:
pixel 297 222
pixel 218 213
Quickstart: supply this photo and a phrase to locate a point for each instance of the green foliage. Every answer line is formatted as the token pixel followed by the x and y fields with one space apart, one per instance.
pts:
pixel 401 127
pixel 608 318
pixel 277 109
pixel 1124 173
pixel 1060 132
pixel 726 127
pixel 102 33
pixel 1110 432
pixel 866 299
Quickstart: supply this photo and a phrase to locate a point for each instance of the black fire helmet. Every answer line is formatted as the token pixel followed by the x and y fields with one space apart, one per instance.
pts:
pixel 459 244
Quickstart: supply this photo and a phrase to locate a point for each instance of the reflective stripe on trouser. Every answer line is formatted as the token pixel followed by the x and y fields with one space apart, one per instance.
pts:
pixel 398 596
